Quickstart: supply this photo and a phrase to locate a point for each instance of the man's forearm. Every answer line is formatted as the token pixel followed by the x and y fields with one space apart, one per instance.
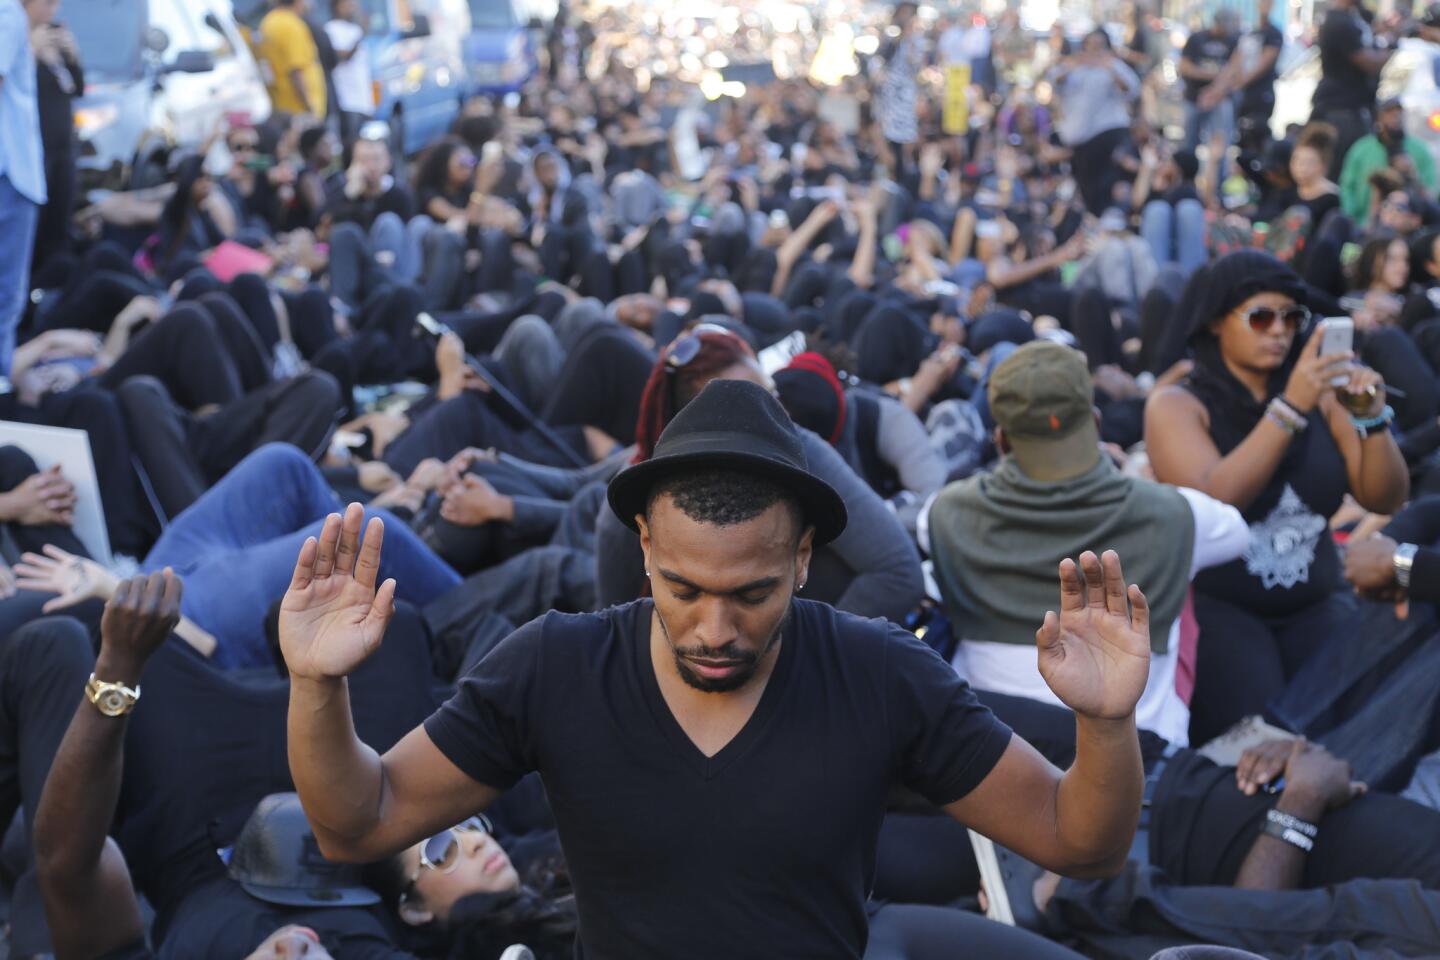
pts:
pixel 338 777
pixel 1098 800
pixel 1272 863
pixel 83 786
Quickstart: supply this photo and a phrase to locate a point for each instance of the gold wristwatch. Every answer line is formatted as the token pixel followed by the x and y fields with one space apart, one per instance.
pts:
pixel 111 699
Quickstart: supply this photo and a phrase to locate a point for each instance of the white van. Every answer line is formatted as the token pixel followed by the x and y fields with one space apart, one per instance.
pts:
pixel 157 72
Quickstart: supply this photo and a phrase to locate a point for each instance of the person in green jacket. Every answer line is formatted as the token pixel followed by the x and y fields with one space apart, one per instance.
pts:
pixel 1388 145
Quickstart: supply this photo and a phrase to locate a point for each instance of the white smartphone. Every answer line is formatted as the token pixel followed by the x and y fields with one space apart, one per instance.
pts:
pixel 1337 335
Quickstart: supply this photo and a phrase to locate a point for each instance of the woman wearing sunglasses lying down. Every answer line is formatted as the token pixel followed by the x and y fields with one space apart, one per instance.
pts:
pixel 458 894
pixel 1261 424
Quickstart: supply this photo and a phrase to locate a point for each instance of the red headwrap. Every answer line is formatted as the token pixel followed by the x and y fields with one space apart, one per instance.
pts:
pixel 812 362
pixel 717 352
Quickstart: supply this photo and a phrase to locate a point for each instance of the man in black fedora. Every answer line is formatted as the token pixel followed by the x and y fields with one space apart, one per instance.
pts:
pixel 718 756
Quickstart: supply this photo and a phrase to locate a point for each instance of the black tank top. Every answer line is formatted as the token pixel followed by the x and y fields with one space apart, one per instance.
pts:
pixel 1291 561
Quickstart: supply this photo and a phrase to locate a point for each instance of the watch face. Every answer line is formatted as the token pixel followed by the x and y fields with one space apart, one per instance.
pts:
pixel 112 703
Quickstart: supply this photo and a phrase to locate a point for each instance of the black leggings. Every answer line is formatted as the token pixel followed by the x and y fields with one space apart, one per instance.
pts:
pixel 1243 662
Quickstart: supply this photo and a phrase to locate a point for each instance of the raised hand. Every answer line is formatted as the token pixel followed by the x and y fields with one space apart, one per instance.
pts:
pixel 332 616
pixel 74 579
pixel 140 616
pixel 1095 655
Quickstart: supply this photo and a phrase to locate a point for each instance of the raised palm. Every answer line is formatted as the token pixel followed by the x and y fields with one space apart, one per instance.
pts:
pixel 332 616
pixel 1096 654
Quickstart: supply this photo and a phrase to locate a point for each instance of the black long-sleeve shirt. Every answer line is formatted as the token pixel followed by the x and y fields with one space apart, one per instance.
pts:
pixel 1419 523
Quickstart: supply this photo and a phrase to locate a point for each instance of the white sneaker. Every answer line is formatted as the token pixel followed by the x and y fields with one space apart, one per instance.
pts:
pixel 518 951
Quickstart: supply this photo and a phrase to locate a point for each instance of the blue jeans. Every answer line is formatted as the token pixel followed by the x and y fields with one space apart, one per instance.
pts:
pixel 1200 124
pixel 392 235
pixel 1175 234
pixel 236 548
pixel 18 217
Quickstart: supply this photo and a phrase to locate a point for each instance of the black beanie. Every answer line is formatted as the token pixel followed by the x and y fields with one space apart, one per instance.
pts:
pixel 998 326
pixel 1236 277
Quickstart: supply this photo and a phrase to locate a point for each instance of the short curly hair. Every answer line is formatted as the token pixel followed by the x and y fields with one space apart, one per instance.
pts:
pixel 724 497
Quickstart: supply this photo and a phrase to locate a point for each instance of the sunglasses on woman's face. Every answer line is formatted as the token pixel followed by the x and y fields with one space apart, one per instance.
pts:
pixel 1261 319
pixel 441 852
pixel 683 351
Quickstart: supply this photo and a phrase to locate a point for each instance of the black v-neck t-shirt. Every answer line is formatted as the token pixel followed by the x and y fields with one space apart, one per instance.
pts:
pixel 766 849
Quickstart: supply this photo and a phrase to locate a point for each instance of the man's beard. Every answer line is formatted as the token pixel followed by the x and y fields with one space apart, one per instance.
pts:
pixel 748 661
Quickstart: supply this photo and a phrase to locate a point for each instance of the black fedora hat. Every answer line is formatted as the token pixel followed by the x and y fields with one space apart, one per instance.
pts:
pixel 276 859
pixel 733 425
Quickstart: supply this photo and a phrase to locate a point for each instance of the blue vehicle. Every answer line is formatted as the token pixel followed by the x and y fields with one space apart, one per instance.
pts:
pixel 500 53
pixel 416 61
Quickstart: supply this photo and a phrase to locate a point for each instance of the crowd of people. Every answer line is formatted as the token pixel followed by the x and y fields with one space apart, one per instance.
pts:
pixel 616 358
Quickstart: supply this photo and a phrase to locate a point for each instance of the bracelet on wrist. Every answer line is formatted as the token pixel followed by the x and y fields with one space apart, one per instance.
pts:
pixel 1404 561
pixel 1367 425
pixel 1294 410
pixel 1293 837
pixel 1285 417
pixel 1290 822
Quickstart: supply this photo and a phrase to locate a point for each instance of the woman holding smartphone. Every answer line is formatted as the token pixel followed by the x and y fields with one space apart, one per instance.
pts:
pixel 1271 424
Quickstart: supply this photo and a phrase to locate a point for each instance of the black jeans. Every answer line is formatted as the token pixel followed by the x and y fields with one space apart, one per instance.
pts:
pixel 183 454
